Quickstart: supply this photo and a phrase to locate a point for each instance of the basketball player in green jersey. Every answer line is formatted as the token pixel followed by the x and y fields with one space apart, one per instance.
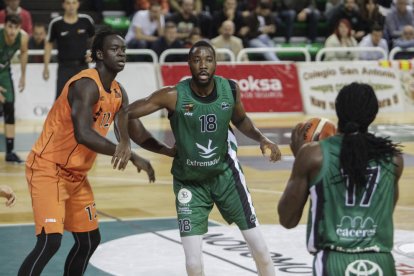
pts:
pixel 12 39
pixel 352 181
pixel 205 169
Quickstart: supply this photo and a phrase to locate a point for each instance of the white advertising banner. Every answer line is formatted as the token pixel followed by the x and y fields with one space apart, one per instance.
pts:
pixel 138 79
pixel 320 83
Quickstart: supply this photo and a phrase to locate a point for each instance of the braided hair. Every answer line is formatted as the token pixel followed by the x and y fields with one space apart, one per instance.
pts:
pixel 356 107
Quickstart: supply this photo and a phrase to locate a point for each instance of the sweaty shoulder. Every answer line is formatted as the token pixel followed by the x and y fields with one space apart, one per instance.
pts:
pixel 166 97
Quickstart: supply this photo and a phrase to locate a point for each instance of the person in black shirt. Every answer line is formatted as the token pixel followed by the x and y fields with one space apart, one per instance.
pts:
pixel 168 41
pixel 72 33
pixel 37 41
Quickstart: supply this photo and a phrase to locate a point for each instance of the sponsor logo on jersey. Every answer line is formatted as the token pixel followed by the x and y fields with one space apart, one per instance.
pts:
pixel 225 106
pixel 81 31
pixel 50 220
pixel 363 267
pixel 64 33
pixel 206 152
pixel 184 196
pixel 188 109
pixel 117 93
pixel 356 228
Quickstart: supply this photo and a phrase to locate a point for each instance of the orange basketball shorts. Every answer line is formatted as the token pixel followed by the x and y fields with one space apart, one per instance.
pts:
pixel 61 200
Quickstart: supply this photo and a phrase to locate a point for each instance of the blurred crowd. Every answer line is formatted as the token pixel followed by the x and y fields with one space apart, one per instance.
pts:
pixel 237 24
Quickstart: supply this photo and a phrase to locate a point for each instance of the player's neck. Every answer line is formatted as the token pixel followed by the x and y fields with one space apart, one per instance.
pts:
pixel 106 76
pixel 70 18
pixel 8 40
pixel 202 91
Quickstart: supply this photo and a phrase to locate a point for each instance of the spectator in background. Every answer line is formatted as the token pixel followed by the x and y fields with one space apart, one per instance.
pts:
pixel 342 37
pixel 71 33
pixel 259 29
pixel 407 38
pixel 396 19
pixel 169 41
pixel 145 5
pixel 370 15
pixel 194 37
pixel 176 6
pixel 306 11
pixel 185 19
pixel 227 40
pixel 349 10
pixel 373 39
pixel 37 41
pixel 146 27
pixel 228 12
pixel 284 18
pixel 13 7
pixel 330 7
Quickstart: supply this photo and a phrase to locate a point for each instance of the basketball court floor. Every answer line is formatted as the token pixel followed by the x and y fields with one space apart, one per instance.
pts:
pixel 138 226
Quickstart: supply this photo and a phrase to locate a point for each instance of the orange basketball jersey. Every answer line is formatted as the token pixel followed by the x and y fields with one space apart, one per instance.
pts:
pixel 57 141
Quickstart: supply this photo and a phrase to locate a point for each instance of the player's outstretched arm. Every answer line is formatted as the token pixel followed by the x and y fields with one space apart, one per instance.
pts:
pixel 83 94
pixel 246 126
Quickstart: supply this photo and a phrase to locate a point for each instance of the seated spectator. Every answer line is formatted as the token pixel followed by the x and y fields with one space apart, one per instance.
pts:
pixel 396 19
pixel 306 11
pixel 145 5
pixel 146 27
pixel 37 41
pixel 349 10
pixel 169 41
pixel 228 12
pixel 407 38
pixel 13 7
pixel 227 40
pixel 284 19
pixel 373 39
pixel 370 15
pixel 185 19
pixel 259 28
pixel 330 7
pixel 342 37
pixel 195 36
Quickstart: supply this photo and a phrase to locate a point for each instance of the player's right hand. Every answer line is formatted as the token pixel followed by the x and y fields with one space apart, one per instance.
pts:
pixel 121 156
pixel 143 164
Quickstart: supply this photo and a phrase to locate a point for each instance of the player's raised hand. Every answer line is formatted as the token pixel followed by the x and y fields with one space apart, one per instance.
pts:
pixel 266 144
pixel 143 164
pixel 121 156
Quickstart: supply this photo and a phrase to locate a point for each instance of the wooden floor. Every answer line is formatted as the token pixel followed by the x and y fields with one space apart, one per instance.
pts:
pixel 128 194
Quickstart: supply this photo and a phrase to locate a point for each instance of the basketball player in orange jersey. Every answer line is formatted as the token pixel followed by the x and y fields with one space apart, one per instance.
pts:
pixel 73 134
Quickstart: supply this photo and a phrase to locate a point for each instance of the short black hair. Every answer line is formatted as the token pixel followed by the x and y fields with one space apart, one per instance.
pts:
pixel 201 43
pixel 98 41
pixel 14 19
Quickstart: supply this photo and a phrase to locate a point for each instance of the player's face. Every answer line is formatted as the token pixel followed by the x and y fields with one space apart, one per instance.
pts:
pixel 114 56
pixel 12 30
pixel 202 65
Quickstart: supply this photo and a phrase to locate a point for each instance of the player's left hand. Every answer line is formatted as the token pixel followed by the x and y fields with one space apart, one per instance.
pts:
pixel 297 138
pixel 121 156
pixel 275 154
pixel 22 84
pixel 8 193
pixel 143 164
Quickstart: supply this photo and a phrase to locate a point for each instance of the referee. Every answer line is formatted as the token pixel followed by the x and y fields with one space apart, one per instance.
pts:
pixel 72 33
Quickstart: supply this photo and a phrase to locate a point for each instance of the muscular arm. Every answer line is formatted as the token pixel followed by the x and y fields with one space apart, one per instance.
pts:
pixel 246 126
pixel 139 134
pixel 83 94
pixel 307 163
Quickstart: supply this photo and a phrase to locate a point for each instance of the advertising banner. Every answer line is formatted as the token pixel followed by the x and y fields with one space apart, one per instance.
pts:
pixel 263 87
pixel 320 83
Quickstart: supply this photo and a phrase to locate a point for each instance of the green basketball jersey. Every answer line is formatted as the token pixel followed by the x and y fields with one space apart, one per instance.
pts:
pixel 349 219
pixel 7 51
pixel 200 130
